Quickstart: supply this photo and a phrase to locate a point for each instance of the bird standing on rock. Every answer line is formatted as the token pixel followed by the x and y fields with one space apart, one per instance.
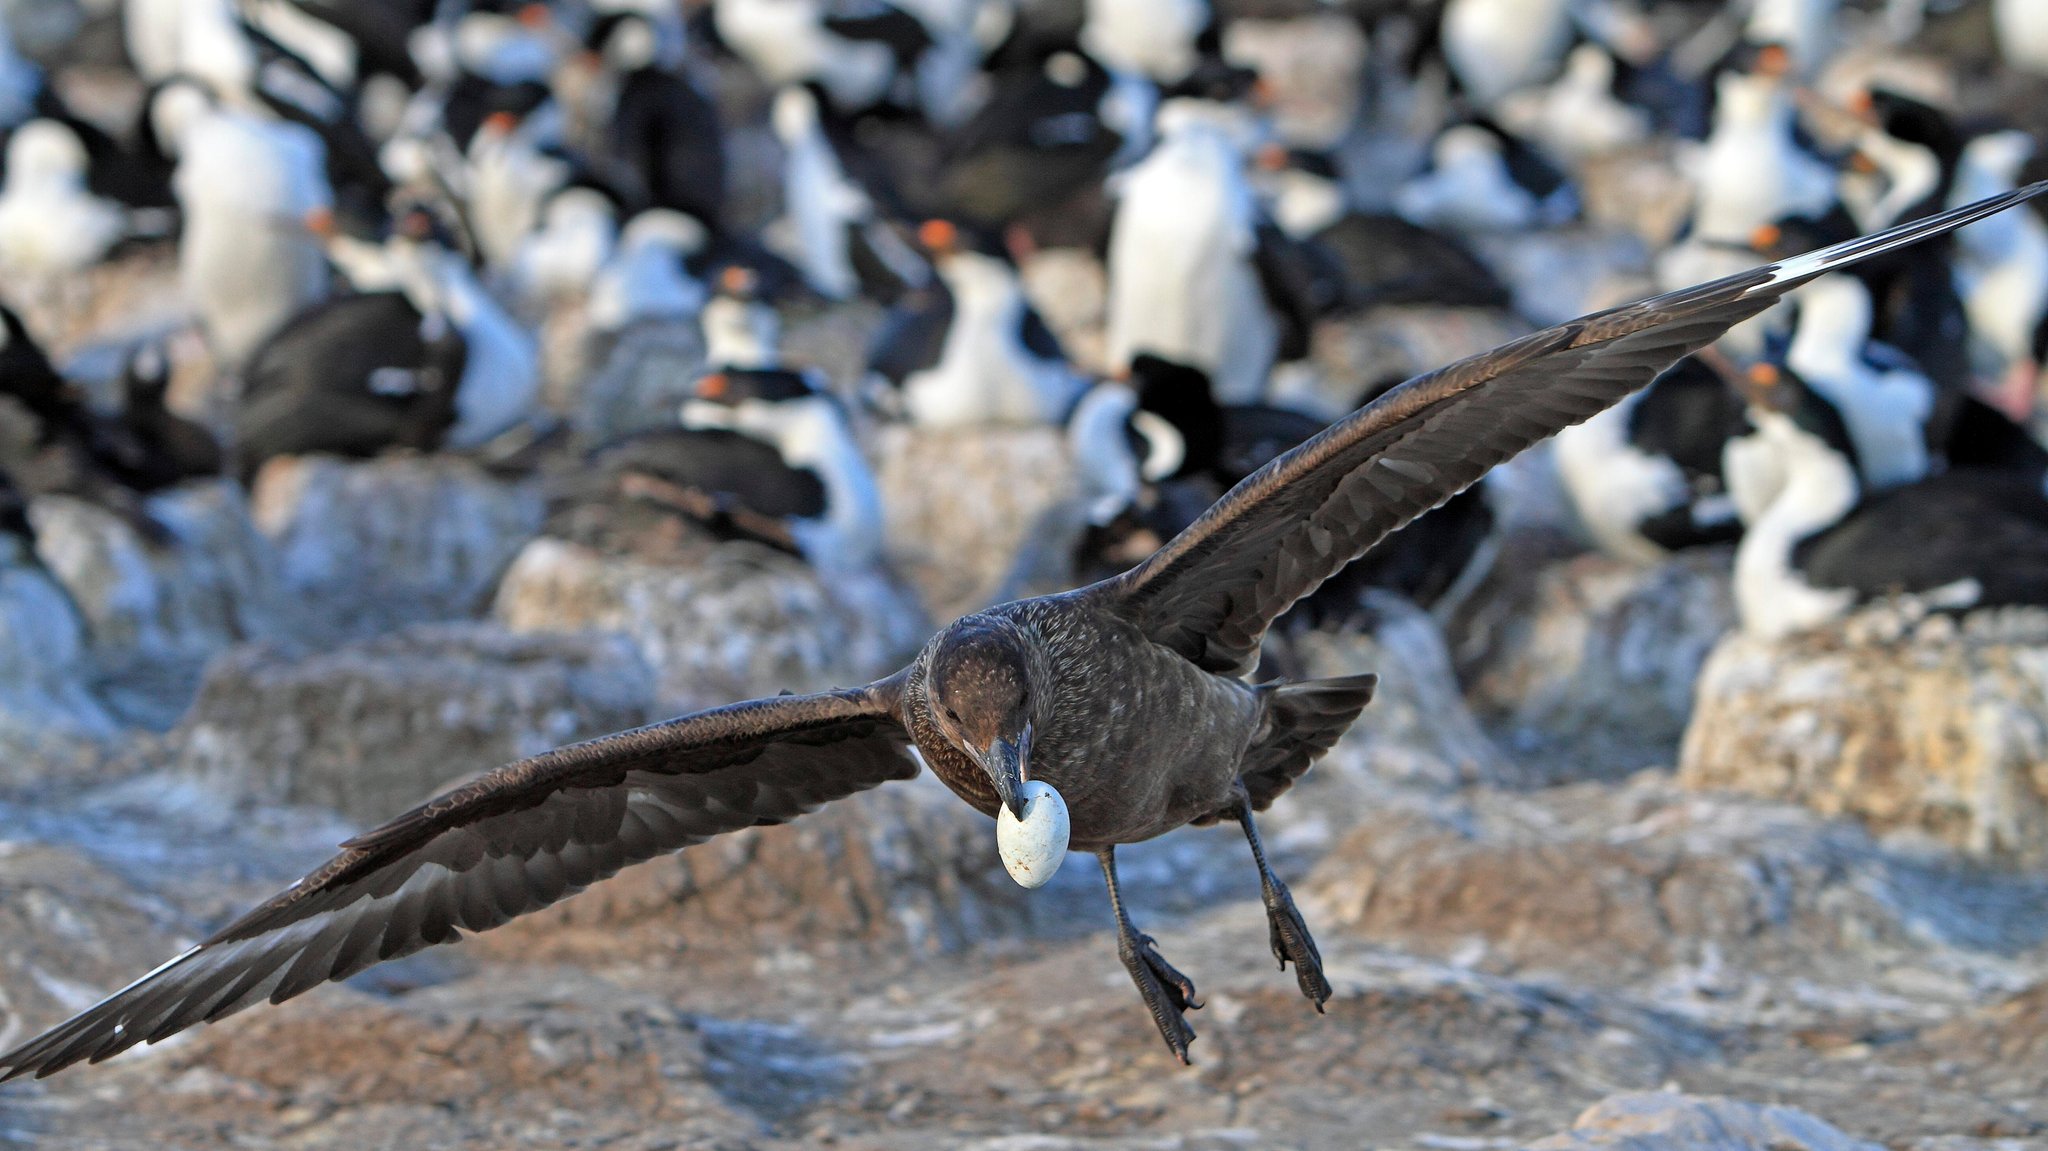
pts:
pixel 1124 698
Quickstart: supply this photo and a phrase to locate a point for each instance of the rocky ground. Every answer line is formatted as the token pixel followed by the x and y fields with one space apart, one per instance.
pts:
pixel 1616 961
pixel 1565 902
pixel 1503 960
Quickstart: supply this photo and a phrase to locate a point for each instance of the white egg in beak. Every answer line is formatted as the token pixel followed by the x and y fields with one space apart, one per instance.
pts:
pixel 1033 847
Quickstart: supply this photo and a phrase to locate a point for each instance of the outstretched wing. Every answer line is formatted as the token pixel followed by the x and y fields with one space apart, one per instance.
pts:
pixel 1213 590
pixel 513 841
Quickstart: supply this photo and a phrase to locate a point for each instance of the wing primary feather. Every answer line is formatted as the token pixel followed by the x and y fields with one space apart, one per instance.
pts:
pixel 507 843
pixel 1212 591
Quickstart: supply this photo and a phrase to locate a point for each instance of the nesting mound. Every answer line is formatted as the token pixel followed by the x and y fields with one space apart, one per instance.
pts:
pixel 400 539
pixel 1931 724
pixel 1417 731
pixel 647 372
pixel 372 728
pixel 740 620
pixel 1591 665
pixel 961 506
pixel 208 582
pixel 1669 1121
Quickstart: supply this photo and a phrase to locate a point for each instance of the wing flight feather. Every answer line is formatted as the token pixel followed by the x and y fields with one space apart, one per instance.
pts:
pixel 1215 588
pixel 512 841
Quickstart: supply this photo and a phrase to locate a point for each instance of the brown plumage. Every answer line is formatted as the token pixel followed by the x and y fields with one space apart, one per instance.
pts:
pixel 1124 696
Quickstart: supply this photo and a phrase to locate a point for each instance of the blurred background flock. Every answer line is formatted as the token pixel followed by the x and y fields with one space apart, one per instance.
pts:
pixel 393 388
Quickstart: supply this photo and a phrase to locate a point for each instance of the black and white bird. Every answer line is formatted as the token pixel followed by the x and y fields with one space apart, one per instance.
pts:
pixel 1495 47
pixel 2021 29
pixel 647 276
pixel 51 223
pixel 355 376
pixel 515 165
pixel 970 349
pixel 1576 117
pixel 28 378
pixel 1965 539
pixel 2001 273
pixel 1889 404
pixel 762 455
pixel 741 327
pixel 1366 258
pixel 1155 448
pixel 1905 157
pixel 1751 171
pixel 792 42
pixel 1160 40
pixel 1119 450
pixel 1645 476
pixel 1090 719
pixel 576 234
pixel 247 188
pixel 1036 153
pixel 55 441
pixel 837 235
pixel 1179 449
pixel 776 458
pixel 663 145
pixel 150 447
pixel 1184 282
pixel 1482 179
pixel 500 385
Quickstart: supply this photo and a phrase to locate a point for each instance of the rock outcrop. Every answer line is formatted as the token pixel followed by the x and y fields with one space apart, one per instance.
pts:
pixel 735 621
pixel 958 539
pixel 70 930
pixel 1416 732
pixel 1713 898
pixel 372 728
pixel 44 667
pixel 402 539
pixel 210 580
pixel 1669 1121
pixel 1589 668
pixel 1930 724
pixel 646 373
pixel 160 591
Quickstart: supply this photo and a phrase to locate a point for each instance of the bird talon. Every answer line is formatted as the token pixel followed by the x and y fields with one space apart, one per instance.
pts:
pixel 1292 943
pixel 1168 994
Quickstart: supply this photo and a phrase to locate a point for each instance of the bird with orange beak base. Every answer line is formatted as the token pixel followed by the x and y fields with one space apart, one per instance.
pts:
pixel 1127 698
pixel 968 348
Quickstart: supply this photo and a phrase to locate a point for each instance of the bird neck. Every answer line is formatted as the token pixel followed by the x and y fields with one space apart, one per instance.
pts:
pixel 1834 325
pixel 1107 469
pixel 849 536
pixel 1304 204
pixel 1819 489
pixel 739 334
pixel 1910 173
pixel 981 285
